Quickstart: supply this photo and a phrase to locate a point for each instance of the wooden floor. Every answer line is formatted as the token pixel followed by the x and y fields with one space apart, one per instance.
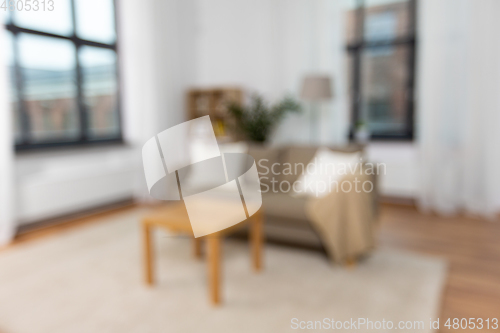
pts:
pixel 471 246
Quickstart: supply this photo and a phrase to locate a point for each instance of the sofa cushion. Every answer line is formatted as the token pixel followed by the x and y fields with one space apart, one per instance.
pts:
pixel 326 169
pixel 298 157
pixel 285 206
pixel 264 157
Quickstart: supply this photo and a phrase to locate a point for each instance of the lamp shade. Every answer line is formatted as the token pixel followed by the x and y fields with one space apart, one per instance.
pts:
pixel 316 88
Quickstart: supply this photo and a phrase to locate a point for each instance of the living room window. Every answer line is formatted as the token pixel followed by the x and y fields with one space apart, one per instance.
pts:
pixel 63 63
pixel 380 64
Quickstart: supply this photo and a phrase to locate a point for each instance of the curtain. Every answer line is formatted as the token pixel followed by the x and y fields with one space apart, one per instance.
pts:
pixel 7 226
pixel 458 106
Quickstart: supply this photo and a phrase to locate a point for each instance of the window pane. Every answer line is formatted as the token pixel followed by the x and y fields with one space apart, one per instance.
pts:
pixel 100 91
pixel 350 8
pixel 384 80
pixel 14 102
pixel 48 70
pixel 95 20
pixel 386 19
pixel 58 21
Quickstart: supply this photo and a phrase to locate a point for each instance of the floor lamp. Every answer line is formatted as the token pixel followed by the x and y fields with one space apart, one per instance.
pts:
pixel 315 89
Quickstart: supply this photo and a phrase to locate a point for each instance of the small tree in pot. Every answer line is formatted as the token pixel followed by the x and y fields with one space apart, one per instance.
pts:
pixel 257 120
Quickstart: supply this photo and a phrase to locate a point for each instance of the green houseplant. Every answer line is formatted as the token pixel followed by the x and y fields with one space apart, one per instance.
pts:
pixel 361 132
pixel 256 121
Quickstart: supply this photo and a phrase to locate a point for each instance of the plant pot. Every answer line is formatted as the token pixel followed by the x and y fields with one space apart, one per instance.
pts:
pixel 362 136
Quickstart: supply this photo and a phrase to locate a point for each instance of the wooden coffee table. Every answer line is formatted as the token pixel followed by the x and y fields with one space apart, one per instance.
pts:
pixel 175 219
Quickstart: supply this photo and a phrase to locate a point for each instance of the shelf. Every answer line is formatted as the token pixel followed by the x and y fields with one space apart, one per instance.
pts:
pixel 212 102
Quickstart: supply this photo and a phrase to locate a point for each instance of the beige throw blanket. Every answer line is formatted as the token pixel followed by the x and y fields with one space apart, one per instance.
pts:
pixel 345 221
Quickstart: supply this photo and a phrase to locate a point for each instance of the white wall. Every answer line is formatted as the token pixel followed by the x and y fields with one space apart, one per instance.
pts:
pixel 6 156
pixel 158 52
pixel 401 161
pixel 237 45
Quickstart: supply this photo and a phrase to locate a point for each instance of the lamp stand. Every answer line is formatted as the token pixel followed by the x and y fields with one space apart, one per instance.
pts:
pixel 313 122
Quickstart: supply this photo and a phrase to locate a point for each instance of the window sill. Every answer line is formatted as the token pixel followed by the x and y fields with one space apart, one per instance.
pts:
pixel 69 147
pixel 386 138
pixel 391 139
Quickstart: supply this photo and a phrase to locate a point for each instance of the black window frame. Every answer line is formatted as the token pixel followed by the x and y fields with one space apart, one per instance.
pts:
pixel 83 140
pixel 356 48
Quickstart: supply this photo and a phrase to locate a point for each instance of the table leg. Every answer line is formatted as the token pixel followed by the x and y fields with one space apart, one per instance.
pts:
pixel 197 247
pixel 256 235
pixel 350 262
pixel 214 245
pixel 148 253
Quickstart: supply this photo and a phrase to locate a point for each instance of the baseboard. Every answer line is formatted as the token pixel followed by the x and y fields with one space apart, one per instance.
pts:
pixel 398 201
pixel 77 216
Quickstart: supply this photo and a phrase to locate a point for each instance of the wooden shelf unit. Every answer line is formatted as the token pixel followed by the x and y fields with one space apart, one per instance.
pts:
pixel 213 102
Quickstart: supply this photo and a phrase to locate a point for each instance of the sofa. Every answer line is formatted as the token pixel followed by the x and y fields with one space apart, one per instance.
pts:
pixel 286 215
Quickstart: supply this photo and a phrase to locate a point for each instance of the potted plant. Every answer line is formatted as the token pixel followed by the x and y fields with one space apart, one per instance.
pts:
pixel 257 120
pixel 361 133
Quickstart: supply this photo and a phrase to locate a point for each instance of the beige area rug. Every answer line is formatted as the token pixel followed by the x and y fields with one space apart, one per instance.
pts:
pixel 89 279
